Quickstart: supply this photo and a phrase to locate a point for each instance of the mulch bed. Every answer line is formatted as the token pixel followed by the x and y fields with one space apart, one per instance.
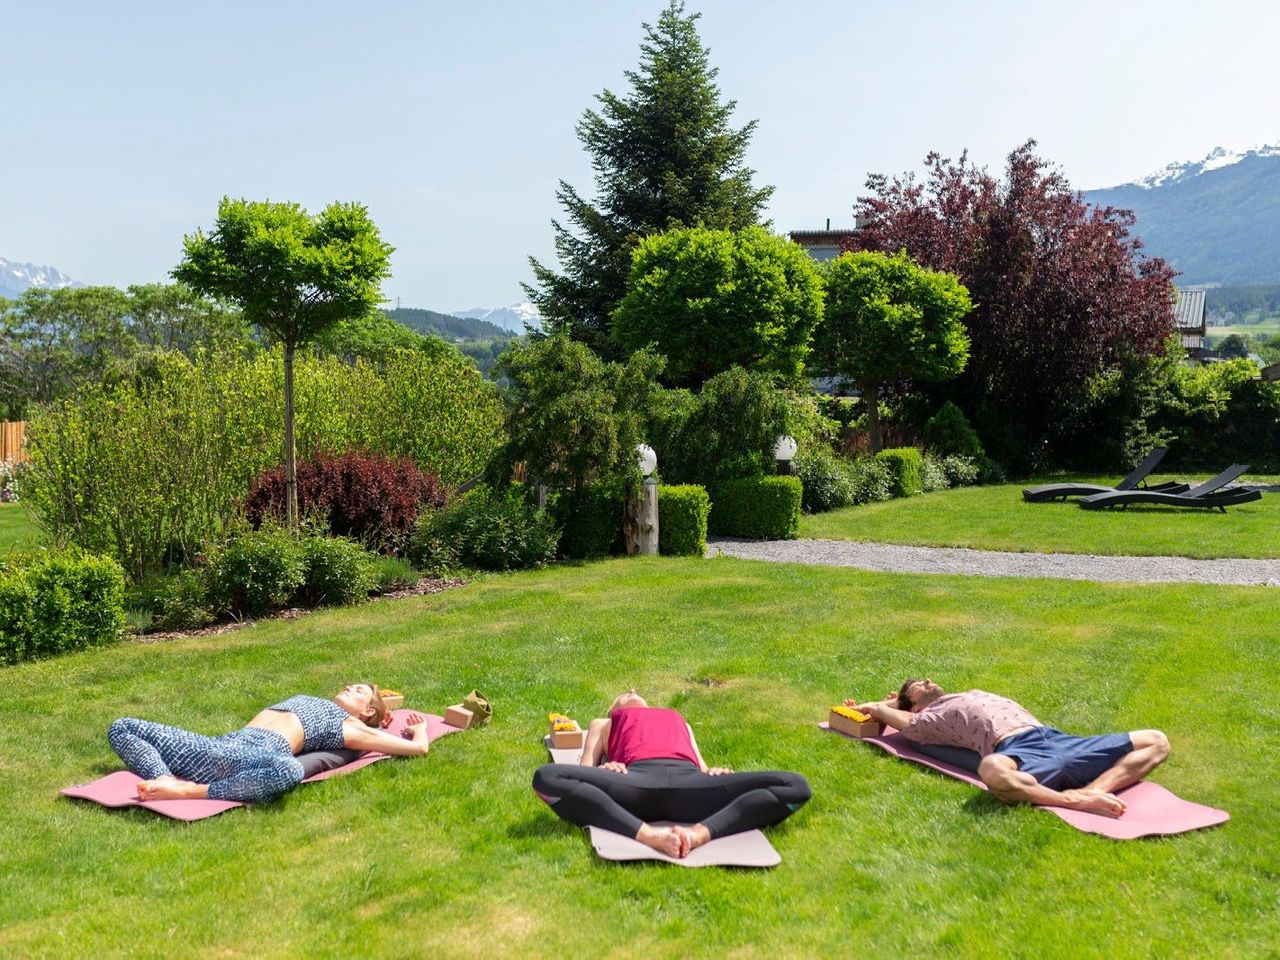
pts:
pixel 425 586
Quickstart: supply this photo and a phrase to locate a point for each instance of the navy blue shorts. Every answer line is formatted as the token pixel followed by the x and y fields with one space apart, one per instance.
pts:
pixel 1062 762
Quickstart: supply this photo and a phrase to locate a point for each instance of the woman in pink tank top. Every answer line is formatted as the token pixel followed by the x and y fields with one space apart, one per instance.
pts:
pixel 641 764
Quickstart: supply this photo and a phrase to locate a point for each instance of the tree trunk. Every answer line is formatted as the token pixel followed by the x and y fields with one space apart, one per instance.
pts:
pixel 870 397
pixel 290 448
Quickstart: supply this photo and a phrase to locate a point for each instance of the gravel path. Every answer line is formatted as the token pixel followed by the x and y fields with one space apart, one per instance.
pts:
pixel 893 558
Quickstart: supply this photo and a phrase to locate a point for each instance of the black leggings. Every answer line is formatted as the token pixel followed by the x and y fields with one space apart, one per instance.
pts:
pixel 669 790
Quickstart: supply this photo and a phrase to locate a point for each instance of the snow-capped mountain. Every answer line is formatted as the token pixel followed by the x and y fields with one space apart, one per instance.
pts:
pixel 1213 219
pixel 1216 159
pixel 513 318
pixel 16 277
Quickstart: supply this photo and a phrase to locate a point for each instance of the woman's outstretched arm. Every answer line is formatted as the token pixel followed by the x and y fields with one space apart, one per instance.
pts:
pixel 414 743
pixel 597 740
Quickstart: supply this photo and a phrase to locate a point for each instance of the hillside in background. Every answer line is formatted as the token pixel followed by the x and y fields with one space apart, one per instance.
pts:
pixel 447 326
pixel 1214 220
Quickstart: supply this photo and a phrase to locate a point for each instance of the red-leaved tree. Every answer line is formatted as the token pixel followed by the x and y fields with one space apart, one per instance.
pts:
pixel 1061 289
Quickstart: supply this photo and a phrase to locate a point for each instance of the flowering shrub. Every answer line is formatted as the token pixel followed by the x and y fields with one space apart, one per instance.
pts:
pixel 10 470
pixel 365 496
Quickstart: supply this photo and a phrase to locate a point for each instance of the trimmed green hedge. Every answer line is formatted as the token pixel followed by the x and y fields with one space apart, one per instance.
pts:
pixel 53 603
pixel 761 508
pixel 682 519
pixel 907 465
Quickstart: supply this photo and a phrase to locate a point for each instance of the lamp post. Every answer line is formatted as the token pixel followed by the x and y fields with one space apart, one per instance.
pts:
pixel 784 451
pixel 640 524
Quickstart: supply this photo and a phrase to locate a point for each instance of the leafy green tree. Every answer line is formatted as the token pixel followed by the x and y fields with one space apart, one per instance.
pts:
pixel 53 340
pixel 664 156
pixel 1234 347
pixel 572 417
pixel 712 299
pixel 293 275
pixel 171 316
pixel 888 318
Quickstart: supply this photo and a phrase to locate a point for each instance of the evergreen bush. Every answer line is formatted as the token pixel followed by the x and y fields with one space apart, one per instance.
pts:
pixel 948 433
pixel 760 508
pixel 590 520
pixel 904 464
pixel 682 520
pixel 57 602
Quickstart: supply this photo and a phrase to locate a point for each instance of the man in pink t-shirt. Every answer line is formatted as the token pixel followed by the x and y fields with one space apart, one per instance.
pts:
pixel 1019 758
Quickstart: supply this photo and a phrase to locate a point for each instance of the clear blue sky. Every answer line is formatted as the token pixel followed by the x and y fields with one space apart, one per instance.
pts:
pixel 123 124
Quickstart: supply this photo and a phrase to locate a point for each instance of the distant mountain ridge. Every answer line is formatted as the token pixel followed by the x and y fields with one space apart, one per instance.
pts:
pixel 1213 219
pixel 513 318
pixel 16 277
pixel 447 326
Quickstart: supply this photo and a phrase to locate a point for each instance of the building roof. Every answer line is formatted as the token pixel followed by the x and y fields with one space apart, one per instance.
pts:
pixel 1188 312
pixel 821 236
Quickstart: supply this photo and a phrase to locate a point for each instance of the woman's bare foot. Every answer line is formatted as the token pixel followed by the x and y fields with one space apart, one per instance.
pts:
pixel 171 788
pixel 1096 801
pixel 663 839
pixel 692 837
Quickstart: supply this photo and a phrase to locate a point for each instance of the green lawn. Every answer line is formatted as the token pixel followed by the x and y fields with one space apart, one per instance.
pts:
pixel 1265 328
pixel 997 518
pixel 16 528
pixel 454 856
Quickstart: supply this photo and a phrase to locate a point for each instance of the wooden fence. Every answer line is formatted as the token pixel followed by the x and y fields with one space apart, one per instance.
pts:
pixel 13 434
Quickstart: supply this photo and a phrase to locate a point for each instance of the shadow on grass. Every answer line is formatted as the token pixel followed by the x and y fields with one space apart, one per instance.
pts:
pixel 983 804
pixel 541 827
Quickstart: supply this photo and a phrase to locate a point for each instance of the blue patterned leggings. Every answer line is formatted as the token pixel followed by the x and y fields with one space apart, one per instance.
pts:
pixel 250 765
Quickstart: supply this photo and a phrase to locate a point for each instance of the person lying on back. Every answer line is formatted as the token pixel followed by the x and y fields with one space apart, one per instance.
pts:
pixel 1019 758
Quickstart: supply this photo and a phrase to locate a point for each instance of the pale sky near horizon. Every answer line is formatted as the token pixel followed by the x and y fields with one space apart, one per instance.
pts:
pixel 123 124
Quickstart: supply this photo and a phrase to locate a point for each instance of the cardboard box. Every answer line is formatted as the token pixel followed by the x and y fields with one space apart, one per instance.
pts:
pixel 393 701
pixel 458 716
pixel 844 725
pixel 568 739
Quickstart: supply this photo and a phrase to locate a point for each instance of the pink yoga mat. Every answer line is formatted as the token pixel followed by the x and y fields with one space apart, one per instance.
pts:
pixel 1151 809
pixel 120 789
pixel 749 849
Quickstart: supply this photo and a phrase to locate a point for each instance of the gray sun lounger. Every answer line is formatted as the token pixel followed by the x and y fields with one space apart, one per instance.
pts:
pixel 1134 481
pixel 1208 496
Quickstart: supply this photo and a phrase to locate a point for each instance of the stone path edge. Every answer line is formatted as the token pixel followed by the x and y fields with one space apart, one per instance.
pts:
pixel 898 558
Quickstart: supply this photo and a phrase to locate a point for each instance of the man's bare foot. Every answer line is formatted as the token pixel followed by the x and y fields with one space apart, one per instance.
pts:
pixel 692 837
pixel 1096 801
pixel 663 839
pixel 171 788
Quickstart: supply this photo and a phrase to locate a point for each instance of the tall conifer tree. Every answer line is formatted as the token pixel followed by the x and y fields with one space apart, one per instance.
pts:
pixel 664 157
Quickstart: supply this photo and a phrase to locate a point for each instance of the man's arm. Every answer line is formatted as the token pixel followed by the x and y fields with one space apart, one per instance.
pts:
pixel 881 710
